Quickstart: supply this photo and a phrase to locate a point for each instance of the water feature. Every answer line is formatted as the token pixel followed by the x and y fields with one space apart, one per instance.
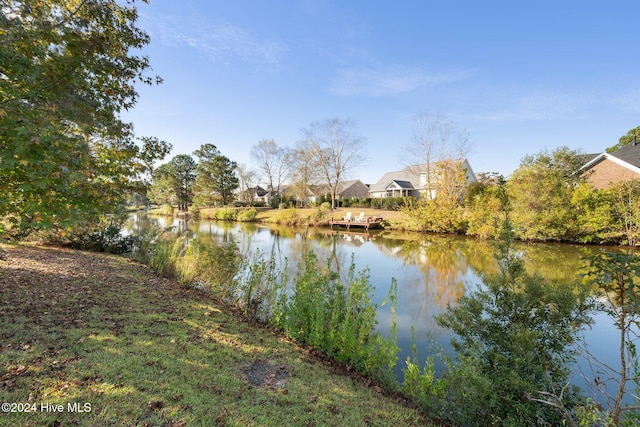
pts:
pixel 431 271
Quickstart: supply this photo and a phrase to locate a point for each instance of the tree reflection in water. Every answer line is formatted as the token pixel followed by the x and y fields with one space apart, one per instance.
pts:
pixel 432 271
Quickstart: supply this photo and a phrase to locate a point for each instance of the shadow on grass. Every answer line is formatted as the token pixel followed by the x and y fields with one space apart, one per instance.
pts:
pixel 111 343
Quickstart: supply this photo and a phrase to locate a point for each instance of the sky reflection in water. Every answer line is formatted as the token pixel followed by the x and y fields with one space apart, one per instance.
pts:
pixel 431 271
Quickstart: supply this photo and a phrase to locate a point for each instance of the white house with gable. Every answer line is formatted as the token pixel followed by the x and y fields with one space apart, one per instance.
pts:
pixel 411 181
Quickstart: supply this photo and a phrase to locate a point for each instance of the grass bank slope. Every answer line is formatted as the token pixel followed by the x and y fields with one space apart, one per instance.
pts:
pixel 93 339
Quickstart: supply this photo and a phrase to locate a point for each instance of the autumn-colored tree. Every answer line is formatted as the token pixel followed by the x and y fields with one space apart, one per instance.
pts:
pixel 595 220
pixel 626 205
pixel 540 190
pixel 435 139
pixel 443 211
pixel 483 208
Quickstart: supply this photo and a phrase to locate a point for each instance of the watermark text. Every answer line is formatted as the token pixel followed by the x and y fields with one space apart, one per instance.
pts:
pixel 47 407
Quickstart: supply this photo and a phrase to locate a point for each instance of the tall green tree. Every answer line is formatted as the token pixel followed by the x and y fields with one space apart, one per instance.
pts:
pixel 216 175
pixel 226 182
pixel 67 71
pixel 183 173
pixel 162 189
pixel 172 182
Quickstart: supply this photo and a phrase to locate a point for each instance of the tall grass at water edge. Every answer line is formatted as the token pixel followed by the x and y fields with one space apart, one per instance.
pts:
pixel 317 307
pixel 334 315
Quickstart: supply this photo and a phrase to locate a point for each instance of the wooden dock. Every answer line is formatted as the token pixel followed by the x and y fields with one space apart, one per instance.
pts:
pixel 366 223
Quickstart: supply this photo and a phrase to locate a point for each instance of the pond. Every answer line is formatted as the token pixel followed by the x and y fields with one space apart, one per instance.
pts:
pixel 431 271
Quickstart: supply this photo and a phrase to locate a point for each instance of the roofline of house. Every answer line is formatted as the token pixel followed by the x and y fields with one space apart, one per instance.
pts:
pixel 614 159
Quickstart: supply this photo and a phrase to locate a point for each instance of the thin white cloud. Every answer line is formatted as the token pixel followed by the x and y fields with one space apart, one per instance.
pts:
pixel 535 107
pixel 370 82
pixel 628 100
pixel 222 42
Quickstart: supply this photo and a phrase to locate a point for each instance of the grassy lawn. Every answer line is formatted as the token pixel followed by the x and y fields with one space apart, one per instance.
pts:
pixel 102 335
pixel 394 220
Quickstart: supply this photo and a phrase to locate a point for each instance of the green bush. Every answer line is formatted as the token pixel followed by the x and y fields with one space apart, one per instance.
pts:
pixel 337 318
pixel 101 234
pixel 391 203
pixel 419 384
pixel 292 217
pixel 166 210
pixel 514 341
pixel 247 215
pixel 166 249
pixel 226 214
pixel 194 211
pixel 260 284
pixel 210 265
pixel 361 203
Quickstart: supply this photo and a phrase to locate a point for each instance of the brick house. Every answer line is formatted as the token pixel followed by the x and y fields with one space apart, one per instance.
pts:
pixel 607 169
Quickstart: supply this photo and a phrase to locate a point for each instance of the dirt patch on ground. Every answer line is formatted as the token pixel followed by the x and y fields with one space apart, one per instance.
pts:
pixel 264 374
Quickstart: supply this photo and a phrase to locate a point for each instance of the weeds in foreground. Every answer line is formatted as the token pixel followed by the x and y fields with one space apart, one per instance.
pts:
pixel 420 384
pixel 338 318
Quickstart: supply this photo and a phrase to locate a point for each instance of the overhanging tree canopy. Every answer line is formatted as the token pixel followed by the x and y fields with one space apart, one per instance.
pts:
pixel 66 73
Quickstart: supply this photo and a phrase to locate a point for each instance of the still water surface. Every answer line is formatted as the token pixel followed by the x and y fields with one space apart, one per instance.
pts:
pixel 431 271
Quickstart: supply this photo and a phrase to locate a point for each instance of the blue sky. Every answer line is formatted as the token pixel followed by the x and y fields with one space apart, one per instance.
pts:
pixel 521 77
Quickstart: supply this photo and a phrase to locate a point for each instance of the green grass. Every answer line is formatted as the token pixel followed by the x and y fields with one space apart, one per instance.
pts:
pixel 395 220
pixel 80 327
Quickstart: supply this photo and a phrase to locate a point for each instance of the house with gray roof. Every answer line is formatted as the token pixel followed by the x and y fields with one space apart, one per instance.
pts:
pixel 607 169
pixel 411 181
pixel 346 190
